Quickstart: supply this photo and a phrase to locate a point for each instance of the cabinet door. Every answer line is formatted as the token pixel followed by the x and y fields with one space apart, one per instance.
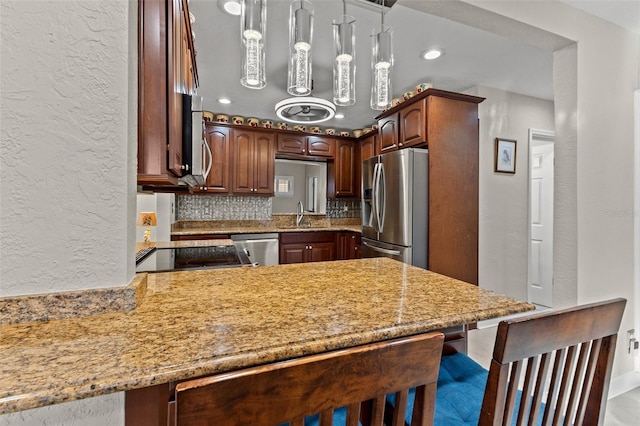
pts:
pixel 292 253
pixel 320 146
pixel 413 125
pixel 265 160
pixel 388 134
pixel 345 169
pixel 243 161
pixel 218 139
pixel 321 252
pixel 366 148
pixel 291 144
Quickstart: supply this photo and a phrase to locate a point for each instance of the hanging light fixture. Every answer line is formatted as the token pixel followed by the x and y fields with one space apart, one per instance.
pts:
pixel 253 27
pixel 344 66
pixel 381 66
pixel 300 34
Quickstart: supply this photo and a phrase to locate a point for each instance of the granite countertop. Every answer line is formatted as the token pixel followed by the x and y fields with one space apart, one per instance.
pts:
pixel 279 224
pixel 196 323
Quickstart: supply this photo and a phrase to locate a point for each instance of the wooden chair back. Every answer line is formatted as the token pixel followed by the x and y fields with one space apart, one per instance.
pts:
pixel 562 358
pixel 291 390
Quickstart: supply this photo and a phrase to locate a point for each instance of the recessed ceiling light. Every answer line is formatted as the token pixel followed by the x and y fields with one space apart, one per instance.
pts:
pixel 224 101
pixel 338 115
pixel 432 54
pixel 232 7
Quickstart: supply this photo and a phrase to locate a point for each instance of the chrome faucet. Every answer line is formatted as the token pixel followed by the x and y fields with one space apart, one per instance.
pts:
pixel 299 214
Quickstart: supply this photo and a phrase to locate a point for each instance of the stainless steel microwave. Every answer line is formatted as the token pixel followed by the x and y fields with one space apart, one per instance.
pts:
pixel 196 154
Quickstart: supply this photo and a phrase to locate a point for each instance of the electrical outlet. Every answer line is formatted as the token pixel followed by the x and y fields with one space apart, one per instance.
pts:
pixel 633 342
pixel 345 208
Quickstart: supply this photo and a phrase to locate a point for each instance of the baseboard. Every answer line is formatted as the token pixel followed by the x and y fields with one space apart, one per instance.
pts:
pixel 624 383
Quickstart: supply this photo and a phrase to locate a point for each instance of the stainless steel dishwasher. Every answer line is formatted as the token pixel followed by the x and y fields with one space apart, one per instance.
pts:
pixel 262 249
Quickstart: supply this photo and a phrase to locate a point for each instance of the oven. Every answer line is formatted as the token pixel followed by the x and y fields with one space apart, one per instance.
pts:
pixel 191 258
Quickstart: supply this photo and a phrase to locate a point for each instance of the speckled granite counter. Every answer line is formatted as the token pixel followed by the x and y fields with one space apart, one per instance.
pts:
pixel 202 322
pixel 279 224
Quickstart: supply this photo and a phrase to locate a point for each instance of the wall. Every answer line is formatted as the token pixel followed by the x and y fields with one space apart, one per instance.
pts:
pixel 504 198
pixel 163 205
pixel 67 169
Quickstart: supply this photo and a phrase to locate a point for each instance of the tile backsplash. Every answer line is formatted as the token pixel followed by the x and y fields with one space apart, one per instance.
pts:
pixel 343 208
pixel 220 207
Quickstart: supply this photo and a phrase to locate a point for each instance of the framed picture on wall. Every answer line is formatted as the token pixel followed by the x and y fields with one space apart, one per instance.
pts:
pixel 505 156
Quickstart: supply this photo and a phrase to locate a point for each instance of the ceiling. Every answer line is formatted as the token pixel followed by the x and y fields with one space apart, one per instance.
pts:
pixel 472 57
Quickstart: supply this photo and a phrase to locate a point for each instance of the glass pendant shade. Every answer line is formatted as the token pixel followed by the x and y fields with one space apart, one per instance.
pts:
pixel 253 29
pixel 300 35
pixel 344 65
pixel 381 67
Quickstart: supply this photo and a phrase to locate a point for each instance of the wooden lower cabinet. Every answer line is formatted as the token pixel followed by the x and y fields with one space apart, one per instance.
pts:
pixel 349 245
pixel 301 247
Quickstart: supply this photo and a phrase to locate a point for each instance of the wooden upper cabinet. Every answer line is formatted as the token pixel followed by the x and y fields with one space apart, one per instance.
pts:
pixel 366 148
pixel 341 174
pixel 219 141
pixel 413 125
pixel 302 145
pixel 253 162
pixel 264 154
pixel 320 146
pixel 166 70
pixel 388 134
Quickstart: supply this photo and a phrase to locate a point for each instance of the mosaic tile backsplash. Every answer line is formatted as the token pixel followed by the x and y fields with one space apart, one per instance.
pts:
pixel 217 207
pixel 343 208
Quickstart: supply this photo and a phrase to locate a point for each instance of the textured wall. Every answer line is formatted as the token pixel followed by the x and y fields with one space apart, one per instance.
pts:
pixel 64 172
pixel 68 160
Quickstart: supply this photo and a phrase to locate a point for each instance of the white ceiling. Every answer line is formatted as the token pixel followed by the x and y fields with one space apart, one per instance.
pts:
pixel 625 13
pixel 472 57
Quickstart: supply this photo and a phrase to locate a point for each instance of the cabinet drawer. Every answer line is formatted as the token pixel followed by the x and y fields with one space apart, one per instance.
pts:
pixel 307 237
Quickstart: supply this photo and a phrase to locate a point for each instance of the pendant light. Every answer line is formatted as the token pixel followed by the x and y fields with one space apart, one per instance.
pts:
pixel 344 65
pixel 381 66
pixel 253 28
pixel 300 35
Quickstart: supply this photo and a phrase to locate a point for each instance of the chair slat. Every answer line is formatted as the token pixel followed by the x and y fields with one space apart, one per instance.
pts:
pixel 541 380
pixel 578 377
pixel 525 396
pixel 353 414
pixel 400 408
pixel 596 345
pixel 326 417
pixel 512 392
pixel 377 411
pixel 568 366
pixel 554 386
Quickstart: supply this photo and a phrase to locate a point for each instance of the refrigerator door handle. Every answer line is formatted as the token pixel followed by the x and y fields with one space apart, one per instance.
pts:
pixel 374 196
pixel 382 250
pixel 382 197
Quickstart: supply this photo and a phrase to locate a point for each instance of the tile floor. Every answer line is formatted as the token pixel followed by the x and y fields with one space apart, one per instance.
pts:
pixel 623 410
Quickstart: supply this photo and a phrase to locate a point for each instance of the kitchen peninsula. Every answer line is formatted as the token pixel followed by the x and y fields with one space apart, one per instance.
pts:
pixel 198 323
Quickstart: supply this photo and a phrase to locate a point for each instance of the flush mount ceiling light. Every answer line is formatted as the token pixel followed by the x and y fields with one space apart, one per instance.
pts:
pixel 224 101
pixel 305 110
pixel 431 54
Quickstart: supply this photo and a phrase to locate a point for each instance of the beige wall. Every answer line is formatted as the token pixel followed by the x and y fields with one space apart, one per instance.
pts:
pixel 504 200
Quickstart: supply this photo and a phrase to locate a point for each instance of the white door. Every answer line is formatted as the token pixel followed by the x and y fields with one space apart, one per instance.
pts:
pixel 541 219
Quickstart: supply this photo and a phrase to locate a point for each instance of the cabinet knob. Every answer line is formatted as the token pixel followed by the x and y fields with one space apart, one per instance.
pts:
pixel 310 247
pixel 400 144
pixel 303 151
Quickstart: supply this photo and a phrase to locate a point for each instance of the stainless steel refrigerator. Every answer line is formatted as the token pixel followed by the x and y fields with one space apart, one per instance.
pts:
pixel 395 206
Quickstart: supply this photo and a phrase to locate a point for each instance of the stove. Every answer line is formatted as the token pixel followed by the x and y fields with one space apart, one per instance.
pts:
pixel 190 258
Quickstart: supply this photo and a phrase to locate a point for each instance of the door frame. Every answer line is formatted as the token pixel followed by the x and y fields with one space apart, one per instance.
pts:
pixel 538 135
